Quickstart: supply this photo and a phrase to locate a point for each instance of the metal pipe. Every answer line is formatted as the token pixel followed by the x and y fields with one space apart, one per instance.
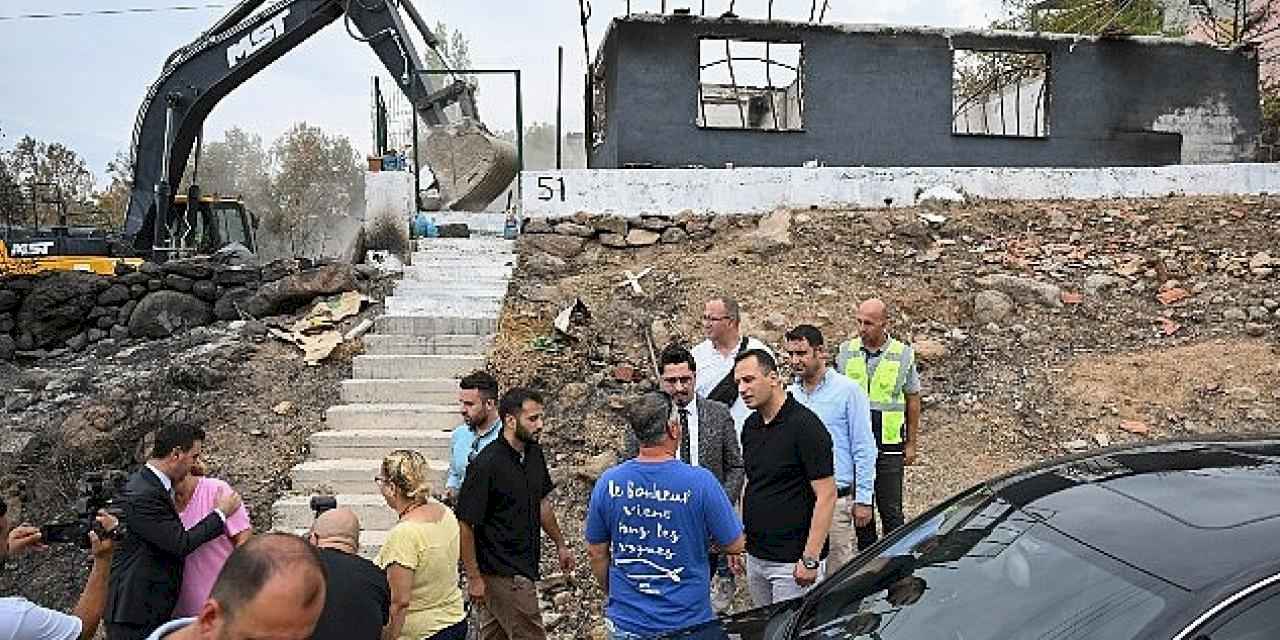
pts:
pixel 417 167
pixel 420 24
pixel 519 125
pixel 162 188
pixel 559 103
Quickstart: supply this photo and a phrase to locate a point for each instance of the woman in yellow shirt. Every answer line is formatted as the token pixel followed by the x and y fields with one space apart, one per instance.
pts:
pixel 420 555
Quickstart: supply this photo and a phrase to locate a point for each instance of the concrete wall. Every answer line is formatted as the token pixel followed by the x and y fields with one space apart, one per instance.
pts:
pixel 390 191
pixel 882 96
pixel 633 192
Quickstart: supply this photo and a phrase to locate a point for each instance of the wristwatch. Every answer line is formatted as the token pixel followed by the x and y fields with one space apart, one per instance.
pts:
pixel 809 563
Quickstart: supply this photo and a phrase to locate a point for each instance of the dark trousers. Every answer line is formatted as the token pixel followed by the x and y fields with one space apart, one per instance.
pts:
pixel 128 632
pixel 458 631
pixel 888 500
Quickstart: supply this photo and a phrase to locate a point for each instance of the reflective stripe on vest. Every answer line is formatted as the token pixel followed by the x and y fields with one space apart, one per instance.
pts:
pixel 885 389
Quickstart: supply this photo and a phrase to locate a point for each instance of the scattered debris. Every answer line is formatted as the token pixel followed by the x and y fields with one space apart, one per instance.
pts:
pixel 1172 295
pixel 571 316
pixel 633 279
pixel 1135 427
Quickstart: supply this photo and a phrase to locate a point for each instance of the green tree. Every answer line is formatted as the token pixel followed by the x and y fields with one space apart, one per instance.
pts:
pixel 113 201
pixel 317 180
pixel 53 177
pixel 452 52
pixel 1091 17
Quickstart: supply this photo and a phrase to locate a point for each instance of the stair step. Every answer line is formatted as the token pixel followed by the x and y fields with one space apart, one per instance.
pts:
pixel 448 293
pixel 416 325
pixel 439 391
pixel 456 271
pixel 447 344
pixel 351 475
pixel 367 367
pixel 377 443
pixel 392 416
pixel 417 306
pixel 294 512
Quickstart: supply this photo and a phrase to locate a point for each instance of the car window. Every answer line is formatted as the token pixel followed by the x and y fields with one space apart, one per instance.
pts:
pixel 987 570
pixel 1252 620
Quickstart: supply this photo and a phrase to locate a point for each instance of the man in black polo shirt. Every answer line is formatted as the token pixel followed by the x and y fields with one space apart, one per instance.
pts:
pixel 503 502
pixel 791 488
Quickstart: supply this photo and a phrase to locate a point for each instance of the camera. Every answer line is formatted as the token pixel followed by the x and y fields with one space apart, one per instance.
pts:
pixel 321 504
pixel 95 491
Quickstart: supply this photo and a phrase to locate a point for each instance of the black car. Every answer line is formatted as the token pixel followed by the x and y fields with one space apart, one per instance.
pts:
pixel 1175 541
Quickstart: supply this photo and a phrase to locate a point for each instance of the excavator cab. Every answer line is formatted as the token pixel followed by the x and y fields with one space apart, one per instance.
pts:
pixel 217 222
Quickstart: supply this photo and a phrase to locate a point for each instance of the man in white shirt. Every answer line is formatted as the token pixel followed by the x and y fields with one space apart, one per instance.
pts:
pixel 715 356
pixel 21 619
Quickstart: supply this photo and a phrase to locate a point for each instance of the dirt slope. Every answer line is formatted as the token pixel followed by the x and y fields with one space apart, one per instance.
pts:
pixel 1159 314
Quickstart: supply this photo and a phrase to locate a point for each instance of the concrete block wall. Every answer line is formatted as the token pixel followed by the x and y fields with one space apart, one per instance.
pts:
pixel 634 193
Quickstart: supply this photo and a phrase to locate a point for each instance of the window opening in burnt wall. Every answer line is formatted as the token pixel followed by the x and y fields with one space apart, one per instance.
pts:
pixel 1000 93
pixel 749 84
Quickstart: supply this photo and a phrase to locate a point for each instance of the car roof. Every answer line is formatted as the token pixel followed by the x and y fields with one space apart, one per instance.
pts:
pixel 1194 513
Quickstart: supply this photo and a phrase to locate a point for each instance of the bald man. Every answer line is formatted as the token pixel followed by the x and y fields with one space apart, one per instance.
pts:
pixel 358 598
pixel 271 587
pixel 886 369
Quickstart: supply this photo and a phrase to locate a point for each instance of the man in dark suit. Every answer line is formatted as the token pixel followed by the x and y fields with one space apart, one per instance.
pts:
pixel 711 442
pixel 146 571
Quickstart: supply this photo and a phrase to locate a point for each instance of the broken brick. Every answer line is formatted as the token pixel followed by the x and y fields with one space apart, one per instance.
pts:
pixel 1170 296
pixel 1135 426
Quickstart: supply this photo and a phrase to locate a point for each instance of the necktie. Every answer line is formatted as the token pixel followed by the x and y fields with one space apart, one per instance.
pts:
pixel 684 435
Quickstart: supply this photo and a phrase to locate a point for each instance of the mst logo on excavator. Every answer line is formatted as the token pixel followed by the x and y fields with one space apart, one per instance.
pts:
pixel 256 39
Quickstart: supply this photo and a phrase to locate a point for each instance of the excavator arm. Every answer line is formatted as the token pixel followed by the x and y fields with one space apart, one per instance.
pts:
pixel 196 77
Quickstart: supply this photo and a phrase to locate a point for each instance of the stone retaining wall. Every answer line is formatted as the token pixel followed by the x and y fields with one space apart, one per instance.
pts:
pixel 618 232
pixel 45 313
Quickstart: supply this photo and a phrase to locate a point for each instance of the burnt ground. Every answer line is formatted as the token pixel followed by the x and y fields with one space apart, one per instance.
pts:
pixel 255 397
pixel 1164 319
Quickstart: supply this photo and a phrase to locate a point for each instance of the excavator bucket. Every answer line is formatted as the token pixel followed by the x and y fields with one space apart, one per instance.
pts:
pixel 471 165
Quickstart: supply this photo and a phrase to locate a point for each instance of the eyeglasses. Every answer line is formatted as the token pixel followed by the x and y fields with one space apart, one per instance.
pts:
pixel 714 318
pixel 379 480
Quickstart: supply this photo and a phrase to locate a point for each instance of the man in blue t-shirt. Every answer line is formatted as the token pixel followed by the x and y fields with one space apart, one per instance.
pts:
pixel 650 524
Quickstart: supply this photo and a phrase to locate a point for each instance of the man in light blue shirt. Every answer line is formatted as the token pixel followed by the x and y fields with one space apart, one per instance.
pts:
pixel 843 407
pixel 478 403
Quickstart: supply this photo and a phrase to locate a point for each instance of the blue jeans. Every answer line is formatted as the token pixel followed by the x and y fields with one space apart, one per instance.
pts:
pixel 709 631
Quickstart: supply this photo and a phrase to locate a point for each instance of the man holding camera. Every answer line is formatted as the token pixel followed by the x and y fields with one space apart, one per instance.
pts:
pixel 20 618
pixel 147 572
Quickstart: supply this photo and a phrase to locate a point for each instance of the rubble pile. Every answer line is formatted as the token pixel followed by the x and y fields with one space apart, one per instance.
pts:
pixel 1042 328
pixel 71 411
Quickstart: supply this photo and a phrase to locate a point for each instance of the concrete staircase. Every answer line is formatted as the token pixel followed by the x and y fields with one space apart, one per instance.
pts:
pixel 403 392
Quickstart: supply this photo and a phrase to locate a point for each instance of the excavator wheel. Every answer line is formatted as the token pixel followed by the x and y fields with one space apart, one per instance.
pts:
pixel 472 166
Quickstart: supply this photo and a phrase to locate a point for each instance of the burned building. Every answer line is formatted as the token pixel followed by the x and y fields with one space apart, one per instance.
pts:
pixel 683 90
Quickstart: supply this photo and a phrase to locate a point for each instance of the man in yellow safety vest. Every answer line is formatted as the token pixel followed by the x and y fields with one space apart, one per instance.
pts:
pixel 886 369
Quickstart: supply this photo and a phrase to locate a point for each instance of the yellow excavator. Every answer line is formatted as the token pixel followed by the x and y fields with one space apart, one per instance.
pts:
pixel 216 221
pixel 35 247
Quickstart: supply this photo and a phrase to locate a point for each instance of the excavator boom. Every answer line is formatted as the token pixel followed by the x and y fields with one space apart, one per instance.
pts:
pixel 196 77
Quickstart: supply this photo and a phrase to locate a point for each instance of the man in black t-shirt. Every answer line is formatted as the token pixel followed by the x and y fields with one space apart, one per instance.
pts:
pixel 791 490
pixel 505 499
pixel 357 596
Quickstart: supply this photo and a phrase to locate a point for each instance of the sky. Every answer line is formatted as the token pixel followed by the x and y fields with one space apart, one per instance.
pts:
pixel 80 80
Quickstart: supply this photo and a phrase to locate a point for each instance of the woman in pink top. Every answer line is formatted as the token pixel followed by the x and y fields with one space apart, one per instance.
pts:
pixel 196 496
